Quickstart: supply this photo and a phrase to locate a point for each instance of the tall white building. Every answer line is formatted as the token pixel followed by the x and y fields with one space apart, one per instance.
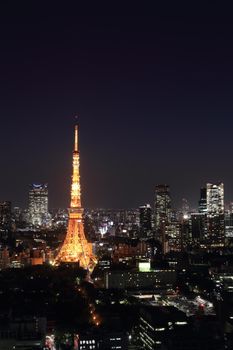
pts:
pixel 215 214
pixel 215 199
pixel 38 204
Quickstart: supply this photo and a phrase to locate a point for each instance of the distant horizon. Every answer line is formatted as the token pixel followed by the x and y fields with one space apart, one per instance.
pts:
pixel 174 207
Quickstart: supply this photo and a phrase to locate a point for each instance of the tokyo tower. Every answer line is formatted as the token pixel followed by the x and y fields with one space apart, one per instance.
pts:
pixel 76 249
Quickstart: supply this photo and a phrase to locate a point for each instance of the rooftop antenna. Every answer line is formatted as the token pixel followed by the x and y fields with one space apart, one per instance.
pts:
pixel 76 134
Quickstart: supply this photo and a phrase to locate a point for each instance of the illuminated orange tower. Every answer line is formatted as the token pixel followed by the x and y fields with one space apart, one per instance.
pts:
pixel 75 247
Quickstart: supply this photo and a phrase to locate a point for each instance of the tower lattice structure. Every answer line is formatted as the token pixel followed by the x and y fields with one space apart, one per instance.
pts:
pixel 76 248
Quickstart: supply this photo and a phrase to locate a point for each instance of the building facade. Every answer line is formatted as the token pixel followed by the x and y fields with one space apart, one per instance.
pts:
pixel 145 217
pixel 5 215
pixel 215 213
pixel 162 207
pixel 139 279
pixel 38 204
pixel 202 205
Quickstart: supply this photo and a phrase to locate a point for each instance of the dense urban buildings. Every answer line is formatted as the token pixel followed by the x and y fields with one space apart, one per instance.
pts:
pixel 171 269
pixel 5 218
pixel 142 258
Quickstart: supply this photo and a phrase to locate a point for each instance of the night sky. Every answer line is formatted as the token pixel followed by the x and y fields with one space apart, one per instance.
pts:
pixel 153 90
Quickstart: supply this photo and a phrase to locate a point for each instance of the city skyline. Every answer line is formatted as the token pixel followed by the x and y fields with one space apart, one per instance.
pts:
pixel 154 105
pixel 116 195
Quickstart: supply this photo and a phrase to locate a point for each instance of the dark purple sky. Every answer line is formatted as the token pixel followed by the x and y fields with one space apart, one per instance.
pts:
pixel 154 92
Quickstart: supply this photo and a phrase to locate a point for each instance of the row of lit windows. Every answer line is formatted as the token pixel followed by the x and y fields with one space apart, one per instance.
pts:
pixel 145 341
pixel 87 341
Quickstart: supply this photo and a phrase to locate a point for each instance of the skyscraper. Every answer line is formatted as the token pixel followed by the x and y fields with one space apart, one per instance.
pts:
pixel 215 213
pixel 215 199
pixel 38 204
pixel 162 215
pixel 198 227
pixel 76 248
pixel 185 207
pixel 145 220
pixel 5 218
pixel 202 207
pixel 162 208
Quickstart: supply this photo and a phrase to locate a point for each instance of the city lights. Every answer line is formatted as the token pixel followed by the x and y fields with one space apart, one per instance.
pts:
pixel 127 245
pixel 75 247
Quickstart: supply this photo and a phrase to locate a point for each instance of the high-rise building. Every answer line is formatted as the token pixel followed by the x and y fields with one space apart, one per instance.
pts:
pixel 215 199
pixel 162 215
pixel 185 207
pixel 186 234
pixel 198 227
pixel 16 212
pixel 231 207
pixel 202 202
pixel 162 208
pixel 215 213
pixel 228 224
pixel 76 248
pixel 38 204
pixel 5 216
pixel 172 239
pixel 145 214
pixel 198 221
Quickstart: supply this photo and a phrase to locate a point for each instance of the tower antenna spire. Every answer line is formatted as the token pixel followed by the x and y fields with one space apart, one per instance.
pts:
pixel 76 134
